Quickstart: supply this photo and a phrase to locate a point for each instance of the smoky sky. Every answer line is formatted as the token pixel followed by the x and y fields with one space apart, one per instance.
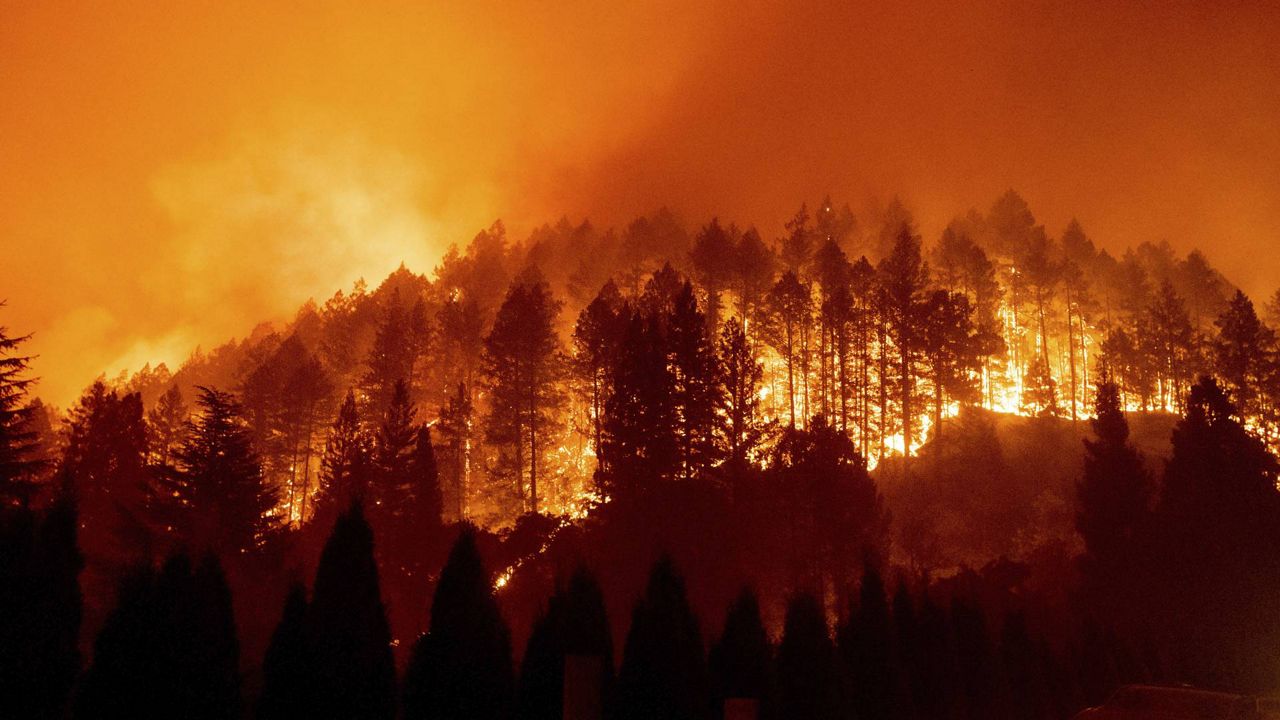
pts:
pixel 171 175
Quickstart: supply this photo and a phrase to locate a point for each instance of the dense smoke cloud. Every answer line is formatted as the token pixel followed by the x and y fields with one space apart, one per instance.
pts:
pixel 174 175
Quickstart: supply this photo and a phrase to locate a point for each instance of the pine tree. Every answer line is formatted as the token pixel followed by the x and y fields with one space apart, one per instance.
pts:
pixel 663 673
pixel 639 446
pixel 461 668
pixel 347 466
pixel 695 390
pixel 1240 350
pixel 395 351
pixel 712 257
pixel 790 302
pixel 903 276
pixel 455 431
pixel 1112 498
pixel 523 374
pixel 167 423
pixel 391 495
pixel 222 480
pixel 743 427
pixel 741 661
pixel 17 441
pixel 596 338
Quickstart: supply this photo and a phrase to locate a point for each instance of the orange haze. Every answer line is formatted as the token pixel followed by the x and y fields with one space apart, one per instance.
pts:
pixel 170 173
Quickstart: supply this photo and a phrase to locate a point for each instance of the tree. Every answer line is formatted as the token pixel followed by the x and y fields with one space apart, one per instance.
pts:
pixel 831 505
pixel 866 642
pixel 808 680
pixel 167 423
pixel 221 478
pixel 455 431
pixel 663 673
pixel 596 337
pixel 743 426
pixel 1240 352
pixel 523 373
pixel 741 661
pixel 712 257
pixel 168 649
pixel 347 465
pixel 104 464
pixel 461 668
pixel 288 674
pixel 639 444
pixel 393 444
pixel 1112 498
pixel 790 303
pixel 1169 343
pixel 350 641
pixel 753 266
pixel 16 439
pixel 574 625
pixel 953 350
pixel 903 276
pixel 400 340
pixel 40 609
pixel 695 390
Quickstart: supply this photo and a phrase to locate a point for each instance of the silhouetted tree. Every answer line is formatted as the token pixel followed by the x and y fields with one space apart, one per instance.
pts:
pixel 695 387
pixel 903 276
pixel 663 671
pixel 743 427
pixel 400 339
pixel 221 479
pixel 40 607
pixel 639 446
pixel 741 661
pixel 1240 352
pixel 17 441
pixel 455 432
pixel 523 374
pixel 574 624
pixel 168 649
pixel 347 466
pixel 809 686
pixel 167 423
pixel 354 673
pixel 866 642
pixel 461 668
pixel 288 671
pixel 790 303
pixel 596 337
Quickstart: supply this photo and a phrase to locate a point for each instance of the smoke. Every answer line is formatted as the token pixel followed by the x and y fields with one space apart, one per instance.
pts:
pixel 175 175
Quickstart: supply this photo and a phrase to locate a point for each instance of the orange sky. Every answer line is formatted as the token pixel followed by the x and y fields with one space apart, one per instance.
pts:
pixel 172 172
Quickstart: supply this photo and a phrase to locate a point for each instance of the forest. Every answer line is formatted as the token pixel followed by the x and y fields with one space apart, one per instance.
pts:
pixel 840 471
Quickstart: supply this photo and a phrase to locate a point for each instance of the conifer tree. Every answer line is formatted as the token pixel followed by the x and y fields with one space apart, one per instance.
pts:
pixel 1240 352
pixel 741 660
pixel 350 641
pixel 695 390
pixel 288 674
pixel 639 446
pixel 574 625
pixel 17 441
pixel 743 426
pixel 461 668
pixel 523 374
pixel 455 432
pixel 903 277
pixel 866 642
pixel 663 671
pixel 596 338
pixel 347 466
pixel 790 302
pixel 167 423
pixel 809 686
pixel 221 478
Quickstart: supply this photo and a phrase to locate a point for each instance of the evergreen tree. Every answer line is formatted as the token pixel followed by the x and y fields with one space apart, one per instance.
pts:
pixel 903 276
pixel 866 642
pixel 396 348
pixel 461 668
pixel 753 266
pixel 712 256
pixel 790 302
pixel 455 431
pixel 663 673
pixel 978 670
pixel 639 446
pixel 596 337
pixel 288 671
pixel 221 477
pixel 523 374
pixel 167 650
pixel 574 625
pixel 1112 498
pixel 1240 352
pixel 953 350
pixel 808 678
pixel 1169 344
pixel 17 441
pixel 40 609
pixel 741 660
pixel 695 390
pixel 350 641
pixel 347 466
pixel 167 423
pixel 743 426
pixel 391 494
